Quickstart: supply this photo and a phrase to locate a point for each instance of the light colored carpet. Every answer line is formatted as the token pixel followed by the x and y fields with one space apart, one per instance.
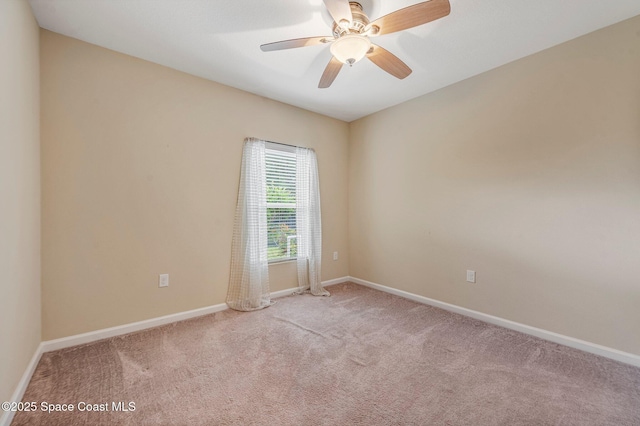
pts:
pixel 358 357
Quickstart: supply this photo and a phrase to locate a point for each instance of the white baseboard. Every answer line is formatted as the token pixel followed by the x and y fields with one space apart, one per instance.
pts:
pixel 92 336
pixel 582 345
pixel 7 417
pixel 290 291
pixel 335 281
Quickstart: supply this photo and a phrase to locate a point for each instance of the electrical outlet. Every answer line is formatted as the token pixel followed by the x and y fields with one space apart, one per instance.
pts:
pixel 163 281
pixel 471 276
pixel 335 255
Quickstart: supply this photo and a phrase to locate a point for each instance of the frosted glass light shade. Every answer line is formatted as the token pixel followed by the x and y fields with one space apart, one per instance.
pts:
pixel 350 48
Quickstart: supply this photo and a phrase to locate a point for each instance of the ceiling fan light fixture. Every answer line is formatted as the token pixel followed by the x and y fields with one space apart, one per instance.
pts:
pixel 344 24
pixel 350 48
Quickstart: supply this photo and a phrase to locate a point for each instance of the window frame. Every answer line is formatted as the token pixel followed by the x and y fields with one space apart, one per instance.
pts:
pixel 288 151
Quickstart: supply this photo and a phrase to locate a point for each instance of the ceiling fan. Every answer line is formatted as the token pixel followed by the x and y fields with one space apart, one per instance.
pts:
pixel 352 31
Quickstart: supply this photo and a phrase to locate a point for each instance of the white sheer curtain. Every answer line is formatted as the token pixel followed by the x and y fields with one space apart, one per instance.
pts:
pixel 249 280
pixel 308 223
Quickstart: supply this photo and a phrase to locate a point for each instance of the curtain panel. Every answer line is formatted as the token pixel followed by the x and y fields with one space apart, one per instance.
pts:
pixel 308 223
pixel 249 277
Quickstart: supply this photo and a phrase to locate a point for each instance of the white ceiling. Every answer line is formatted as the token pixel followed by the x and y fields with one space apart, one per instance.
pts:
pixel 219 40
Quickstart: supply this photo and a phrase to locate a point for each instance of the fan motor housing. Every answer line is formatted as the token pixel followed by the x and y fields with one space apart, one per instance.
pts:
pixel 358 23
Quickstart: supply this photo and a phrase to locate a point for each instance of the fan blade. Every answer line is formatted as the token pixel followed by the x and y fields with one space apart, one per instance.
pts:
pixel 388 62
pixel 339 10
pixel 411 16
pixel 296 42
pixel 330 73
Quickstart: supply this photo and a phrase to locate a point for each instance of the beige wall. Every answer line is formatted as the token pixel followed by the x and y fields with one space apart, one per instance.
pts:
pixel 528 174
pixel 19 193
pixel 140 171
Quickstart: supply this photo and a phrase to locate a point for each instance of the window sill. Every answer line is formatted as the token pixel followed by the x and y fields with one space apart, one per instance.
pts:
pixel 278 261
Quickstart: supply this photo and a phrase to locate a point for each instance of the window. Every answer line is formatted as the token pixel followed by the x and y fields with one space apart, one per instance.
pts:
pixel 280 164
pixel 277 218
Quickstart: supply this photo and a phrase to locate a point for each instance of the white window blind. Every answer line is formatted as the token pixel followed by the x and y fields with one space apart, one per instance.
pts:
pixel 280 162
